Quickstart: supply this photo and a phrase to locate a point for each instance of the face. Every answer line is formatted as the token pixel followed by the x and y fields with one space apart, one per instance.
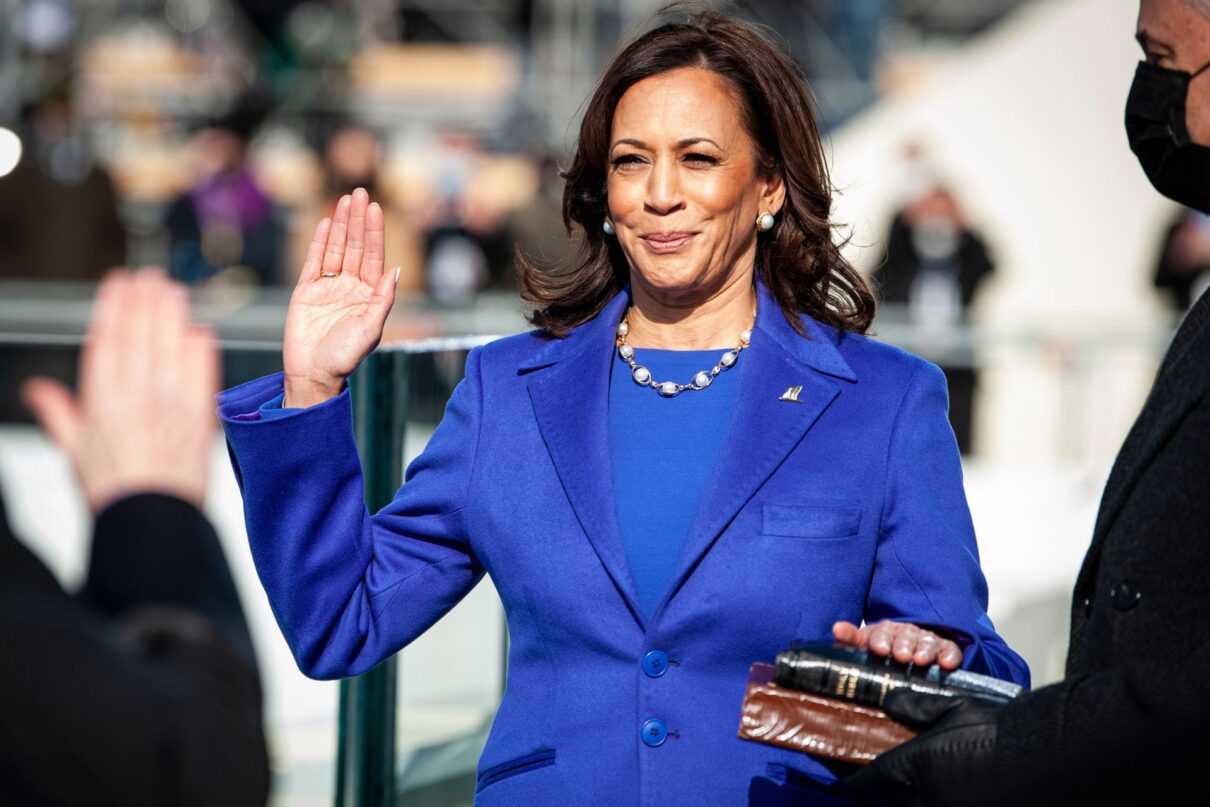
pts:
pixel 217 151
pixel 352 155
pixel 684 187
pixel 1175 35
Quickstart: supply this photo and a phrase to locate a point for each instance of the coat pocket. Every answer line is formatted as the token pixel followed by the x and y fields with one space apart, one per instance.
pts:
pixel 783 785
pixel 523 764
pixel 831 520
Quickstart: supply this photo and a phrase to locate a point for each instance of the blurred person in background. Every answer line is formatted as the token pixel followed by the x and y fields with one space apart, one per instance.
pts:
pixel 142 688
pixel 350 158
pixel 536 227
pixel 225 225
pixel 83 236
pixel 696 459
pixel 1183 271
pixel 466 244
pixel 455 263
pixel 934 264
pixel 57 172
pixel 1128 723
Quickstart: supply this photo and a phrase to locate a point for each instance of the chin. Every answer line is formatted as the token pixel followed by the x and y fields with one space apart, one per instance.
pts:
pixel 672 279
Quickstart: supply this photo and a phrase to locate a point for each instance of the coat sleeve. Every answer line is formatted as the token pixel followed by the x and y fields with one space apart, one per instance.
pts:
pixel 927 564
pixel 140 689
pixel 330 568
pixel 1126 734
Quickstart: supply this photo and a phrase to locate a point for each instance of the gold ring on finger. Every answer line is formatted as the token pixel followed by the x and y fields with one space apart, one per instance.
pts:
pixel 330 274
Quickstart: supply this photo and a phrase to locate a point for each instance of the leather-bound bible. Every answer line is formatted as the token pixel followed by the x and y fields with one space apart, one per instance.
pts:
pixel 826 699
pixel 829 727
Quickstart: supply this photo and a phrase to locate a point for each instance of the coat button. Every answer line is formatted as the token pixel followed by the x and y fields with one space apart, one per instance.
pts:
pixel 654 732
pixel 655 663
pixel 1125 595
pixel 1087 605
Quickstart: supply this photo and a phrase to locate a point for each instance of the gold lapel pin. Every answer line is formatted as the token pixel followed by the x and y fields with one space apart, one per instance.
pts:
pixel 791 394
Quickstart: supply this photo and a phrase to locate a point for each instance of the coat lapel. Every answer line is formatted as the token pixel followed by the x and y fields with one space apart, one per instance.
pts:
pixel 1177 390
pixel 570 401
pixel 763 429
pixel 570 397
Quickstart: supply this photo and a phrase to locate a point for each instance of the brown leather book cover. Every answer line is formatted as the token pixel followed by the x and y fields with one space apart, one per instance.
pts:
pixel 827 727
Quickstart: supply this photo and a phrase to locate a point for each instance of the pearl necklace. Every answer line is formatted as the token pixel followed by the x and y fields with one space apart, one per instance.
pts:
pixel 701 380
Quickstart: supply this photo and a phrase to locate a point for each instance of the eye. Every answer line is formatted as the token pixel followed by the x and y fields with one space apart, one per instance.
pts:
pixel 1156 55
pixel 700 159
pixel 623 161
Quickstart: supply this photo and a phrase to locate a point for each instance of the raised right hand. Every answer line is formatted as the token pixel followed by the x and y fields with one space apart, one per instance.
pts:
pixel 340 303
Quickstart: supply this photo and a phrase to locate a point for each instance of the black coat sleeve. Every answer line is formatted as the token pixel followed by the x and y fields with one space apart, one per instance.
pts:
pixel 1129 722
pixel 975 265
pixel 142 690
pixel 900 264
pixel 1124 734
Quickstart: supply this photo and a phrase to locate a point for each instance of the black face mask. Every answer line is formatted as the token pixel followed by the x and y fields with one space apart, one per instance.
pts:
pixel 1155 125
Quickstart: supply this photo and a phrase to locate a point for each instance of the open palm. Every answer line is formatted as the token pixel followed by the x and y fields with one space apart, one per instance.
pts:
pixel 340 303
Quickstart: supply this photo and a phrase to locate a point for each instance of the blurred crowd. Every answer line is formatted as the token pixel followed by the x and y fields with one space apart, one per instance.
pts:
pixel 210 136
pixel 159 141
pixel 227 219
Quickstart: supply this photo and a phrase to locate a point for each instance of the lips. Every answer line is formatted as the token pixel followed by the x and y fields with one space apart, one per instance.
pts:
pixel 667 242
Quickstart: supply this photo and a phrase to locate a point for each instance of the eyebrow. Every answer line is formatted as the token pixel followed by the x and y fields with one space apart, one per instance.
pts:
pixel 688 141
pixel 1148 42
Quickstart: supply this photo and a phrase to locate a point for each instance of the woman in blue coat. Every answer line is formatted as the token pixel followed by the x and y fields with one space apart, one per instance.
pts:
pixel 695 459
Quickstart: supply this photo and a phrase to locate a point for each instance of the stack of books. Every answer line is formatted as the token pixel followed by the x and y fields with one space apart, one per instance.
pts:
pixel 827 700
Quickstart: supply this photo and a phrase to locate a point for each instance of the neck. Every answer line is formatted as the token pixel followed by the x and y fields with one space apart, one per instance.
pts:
pixel 711 322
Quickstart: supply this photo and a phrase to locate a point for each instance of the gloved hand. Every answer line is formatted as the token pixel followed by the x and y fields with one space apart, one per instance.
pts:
pixel 952 761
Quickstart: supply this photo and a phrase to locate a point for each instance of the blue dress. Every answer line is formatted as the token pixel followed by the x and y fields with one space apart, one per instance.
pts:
pixel 662 451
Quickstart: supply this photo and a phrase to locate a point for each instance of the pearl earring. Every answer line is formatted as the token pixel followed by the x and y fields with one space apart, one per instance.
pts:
pixel 765 222
pixel 607 226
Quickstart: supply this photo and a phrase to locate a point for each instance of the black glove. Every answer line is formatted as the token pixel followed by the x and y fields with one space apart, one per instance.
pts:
pixel 952 761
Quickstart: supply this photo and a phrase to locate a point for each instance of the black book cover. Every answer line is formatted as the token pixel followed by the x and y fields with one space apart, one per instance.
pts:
pixel 854 674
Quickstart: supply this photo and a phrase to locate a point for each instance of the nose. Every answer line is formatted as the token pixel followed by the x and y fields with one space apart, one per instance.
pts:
pixel 664 193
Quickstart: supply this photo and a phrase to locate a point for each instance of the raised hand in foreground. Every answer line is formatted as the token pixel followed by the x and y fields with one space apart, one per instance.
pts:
pixel 340 303
pixel 143 416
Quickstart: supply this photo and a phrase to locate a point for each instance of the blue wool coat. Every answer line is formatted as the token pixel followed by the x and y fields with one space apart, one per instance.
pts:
pixel 847 504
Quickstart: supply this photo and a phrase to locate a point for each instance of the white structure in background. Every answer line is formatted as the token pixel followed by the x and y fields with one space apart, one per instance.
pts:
pixel 1026 126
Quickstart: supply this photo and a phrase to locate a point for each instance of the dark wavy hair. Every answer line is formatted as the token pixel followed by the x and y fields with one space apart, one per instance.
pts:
pixel 797 260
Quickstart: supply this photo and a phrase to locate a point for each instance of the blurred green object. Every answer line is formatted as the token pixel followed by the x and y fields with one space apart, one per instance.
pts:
pixel 365 763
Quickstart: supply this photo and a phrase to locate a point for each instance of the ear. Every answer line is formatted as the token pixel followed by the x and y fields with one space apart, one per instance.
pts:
pixel 773 192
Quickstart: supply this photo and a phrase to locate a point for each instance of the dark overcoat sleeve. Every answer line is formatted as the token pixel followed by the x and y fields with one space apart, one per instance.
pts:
pixel 1129 722
pixel 142 690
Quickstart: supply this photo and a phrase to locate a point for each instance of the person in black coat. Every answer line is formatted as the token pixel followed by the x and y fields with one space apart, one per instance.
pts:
pixel 142 689
pixel 930 235
pixel 935 262
pixel 1127 725
pixel 1183 269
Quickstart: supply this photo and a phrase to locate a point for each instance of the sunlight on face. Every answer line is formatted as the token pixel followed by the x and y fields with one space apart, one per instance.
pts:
pixel 1175 35
pixel 684 190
